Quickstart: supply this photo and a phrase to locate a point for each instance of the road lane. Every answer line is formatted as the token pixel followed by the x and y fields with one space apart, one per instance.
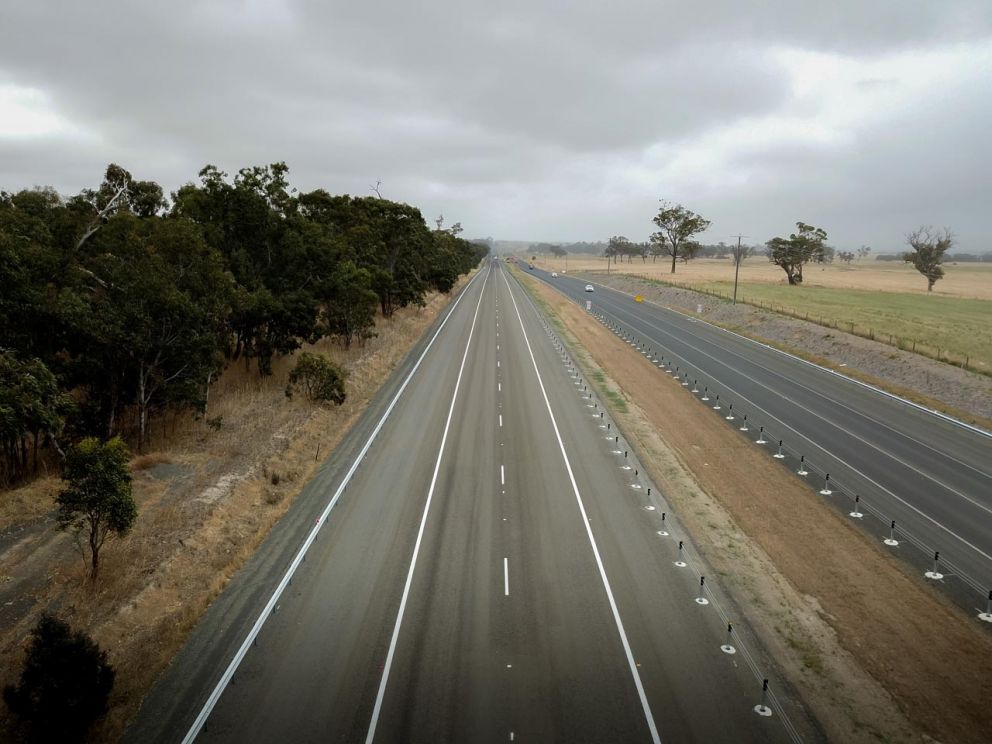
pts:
pixel 507 629
pixel 932 476
pixel 694 692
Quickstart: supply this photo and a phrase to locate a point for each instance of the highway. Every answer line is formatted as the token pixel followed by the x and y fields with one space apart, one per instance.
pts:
pixel 931 475
pixel 482 563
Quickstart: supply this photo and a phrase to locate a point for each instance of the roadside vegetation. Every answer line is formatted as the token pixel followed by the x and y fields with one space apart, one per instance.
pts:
pixel 151 352
pixel 953 329
pixel 120 306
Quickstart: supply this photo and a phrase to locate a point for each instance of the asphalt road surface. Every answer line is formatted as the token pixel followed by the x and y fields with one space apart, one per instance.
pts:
pixel 933 476
pixel 491 572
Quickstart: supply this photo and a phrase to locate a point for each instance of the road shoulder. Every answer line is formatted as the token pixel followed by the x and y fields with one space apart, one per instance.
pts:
pixel 875 653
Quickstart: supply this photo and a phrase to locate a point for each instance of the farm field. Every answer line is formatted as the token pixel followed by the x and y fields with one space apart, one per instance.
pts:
pixel 888 302
pixel 962 280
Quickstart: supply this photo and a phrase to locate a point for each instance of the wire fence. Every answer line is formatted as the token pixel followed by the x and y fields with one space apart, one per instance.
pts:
pixel 927 555
pixel 916 346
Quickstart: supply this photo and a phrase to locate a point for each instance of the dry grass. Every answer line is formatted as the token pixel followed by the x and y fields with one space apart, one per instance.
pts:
pixel 196 528
pixel 962 280
pixel 844 618
pixel 150 460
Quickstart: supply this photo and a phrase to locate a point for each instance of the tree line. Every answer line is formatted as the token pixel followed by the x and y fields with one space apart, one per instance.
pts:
pixel 119 304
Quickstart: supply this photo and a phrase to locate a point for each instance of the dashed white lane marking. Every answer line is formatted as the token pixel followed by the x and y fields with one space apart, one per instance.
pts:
pixel 497 362
pixel 499 387
pixel 649 717
pixel 501 420
pixel 502 476
pixel 506 577
pixel 377 708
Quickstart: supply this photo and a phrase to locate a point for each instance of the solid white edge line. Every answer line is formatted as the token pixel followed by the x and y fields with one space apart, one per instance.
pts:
pixel 886 393
pixel 225 679
pixel 506 577
pixel 823 448
pixel 592 540
pixel 377 708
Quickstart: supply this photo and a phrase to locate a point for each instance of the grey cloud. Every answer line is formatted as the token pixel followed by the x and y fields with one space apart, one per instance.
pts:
pixel 522 117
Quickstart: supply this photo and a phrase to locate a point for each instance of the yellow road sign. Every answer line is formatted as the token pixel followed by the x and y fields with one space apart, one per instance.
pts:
pixel 638 299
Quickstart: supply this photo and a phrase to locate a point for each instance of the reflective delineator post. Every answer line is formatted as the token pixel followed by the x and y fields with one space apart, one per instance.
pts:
pixel 802 466
pixel 694 388
pixel 680 563
pixel 706 395
pixel 987 615
pixel 891 539
pixel 762 708
pixel 935 574
pixel 701 600
pixel 728 647
pixel 730 413
pixel 857 510
pixel 778 455
pixel 825 491
pixel 761 436
pixel 663 532
pixel 744 424
pixel 717 406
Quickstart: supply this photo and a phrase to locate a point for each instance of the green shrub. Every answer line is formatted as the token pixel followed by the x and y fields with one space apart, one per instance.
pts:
pixel 64 685
pixel 320 379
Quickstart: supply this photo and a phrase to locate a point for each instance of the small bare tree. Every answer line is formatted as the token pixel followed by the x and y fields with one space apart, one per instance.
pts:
pixel 929 247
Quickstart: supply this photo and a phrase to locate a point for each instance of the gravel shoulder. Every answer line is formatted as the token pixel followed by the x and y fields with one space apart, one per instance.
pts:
pixel 876 654
pixel 957 392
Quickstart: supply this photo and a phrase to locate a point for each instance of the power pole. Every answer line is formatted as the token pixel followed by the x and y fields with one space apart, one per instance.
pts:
pixel 737 262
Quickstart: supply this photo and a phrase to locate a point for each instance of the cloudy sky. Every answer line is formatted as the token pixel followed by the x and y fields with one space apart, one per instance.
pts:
pixel 532 120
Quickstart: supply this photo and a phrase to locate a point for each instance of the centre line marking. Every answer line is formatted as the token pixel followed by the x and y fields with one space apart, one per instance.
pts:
pixel 501 420
pixel 499 387
pixel 502 476
pixel 377 708
pixel 497 362
pixel 506 578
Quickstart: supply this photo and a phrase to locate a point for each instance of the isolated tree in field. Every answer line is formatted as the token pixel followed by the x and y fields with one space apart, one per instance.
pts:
pixel 741 251
pixel 64 685
pixel 618 245
pixel 846 256
pixel 677 225
pixel 929 247
pixel 801 247
pixel 557 251
pixel 96 502
pixel 864 251
pixel 320 379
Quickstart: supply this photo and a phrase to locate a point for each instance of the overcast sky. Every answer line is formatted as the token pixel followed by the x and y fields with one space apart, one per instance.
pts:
pixel 535 120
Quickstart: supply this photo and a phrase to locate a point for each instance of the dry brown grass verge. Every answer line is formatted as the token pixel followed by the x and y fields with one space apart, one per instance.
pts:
pixel 206 500
pixel 876 654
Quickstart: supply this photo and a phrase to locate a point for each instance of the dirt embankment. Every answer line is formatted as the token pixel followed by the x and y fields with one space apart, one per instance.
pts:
pixel 937 385
pixel 206 500
pixel 876 654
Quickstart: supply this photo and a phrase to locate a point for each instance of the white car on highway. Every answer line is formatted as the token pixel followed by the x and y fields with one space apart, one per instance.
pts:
pixel 590 288
pixel 554 274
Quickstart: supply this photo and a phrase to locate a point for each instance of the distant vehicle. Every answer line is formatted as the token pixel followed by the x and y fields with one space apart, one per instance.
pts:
pixel 564 271
pixel 554 274
pixel 530 266
pixel 590 288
